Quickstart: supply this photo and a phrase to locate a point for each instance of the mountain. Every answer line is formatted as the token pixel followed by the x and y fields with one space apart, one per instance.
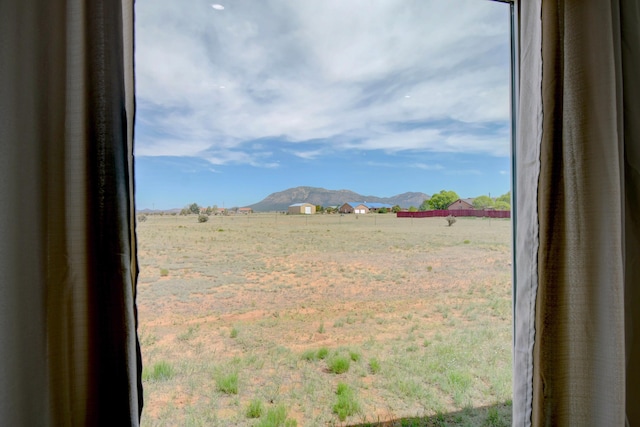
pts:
pixel 281 200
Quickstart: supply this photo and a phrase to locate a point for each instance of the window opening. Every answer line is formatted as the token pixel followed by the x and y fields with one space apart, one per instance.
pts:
pixel 334 311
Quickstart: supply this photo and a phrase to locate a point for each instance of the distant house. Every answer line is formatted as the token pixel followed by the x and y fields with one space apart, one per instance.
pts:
pixel 245 210
pixel 302 208
pixel 363 207
pixel 354 207
pixel 461 204
pixel 375 207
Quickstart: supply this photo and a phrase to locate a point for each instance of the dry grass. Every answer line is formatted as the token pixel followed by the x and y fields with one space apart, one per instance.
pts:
pixel 425 307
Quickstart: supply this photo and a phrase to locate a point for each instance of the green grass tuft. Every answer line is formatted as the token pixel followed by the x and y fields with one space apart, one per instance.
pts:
pixel 374 365
pixel 276 417
pixel 339 364
pixel 161 371
pixel 322 353
pixel 346 403
pixel 227 382
pixel 255 409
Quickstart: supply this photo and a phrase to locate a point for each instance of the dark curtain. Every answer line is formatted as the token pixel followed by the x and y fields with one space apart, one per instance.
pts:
pixel 68 270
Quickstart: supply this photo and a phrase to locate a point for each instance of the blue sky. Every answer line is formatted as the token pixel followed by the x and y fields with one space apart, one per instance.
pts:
pixel 238 99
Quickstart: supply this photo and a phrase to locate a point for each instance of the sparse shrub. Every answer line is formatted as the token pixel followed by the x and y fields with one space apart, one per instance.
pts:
pixel 227 382
pixel 346 403
pixel 339 364
pixel 374 365
pixel 164 272
pixel 142 218
pixel 451 220
pixel 203 218
pixel 322 353
pixel 161 371
pixel 354 355
pixel 466 242
pixel 234 332
pixel 321 328
pixel 255 409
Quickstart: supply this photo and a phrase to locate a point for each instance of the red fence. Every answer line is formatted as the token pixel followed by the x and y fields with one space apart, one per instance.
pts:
pixel 457 212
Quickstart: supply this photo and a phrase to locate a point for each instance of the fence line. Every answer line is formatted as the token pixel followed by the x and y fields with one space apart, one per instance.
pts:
pixel 456 212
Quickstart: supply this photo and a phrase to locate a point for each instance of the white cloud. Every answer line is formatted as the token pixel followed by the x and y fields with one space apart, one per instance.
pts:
pixel 342 72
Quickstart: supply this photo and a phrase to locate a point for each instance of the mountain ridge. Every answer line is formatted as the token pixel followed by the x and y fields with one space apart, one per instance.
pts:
pixel 281 200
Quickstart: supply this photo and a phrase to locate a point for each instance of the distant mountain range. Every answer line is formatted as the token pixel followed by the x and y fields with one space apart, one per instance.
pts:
pixel 281 200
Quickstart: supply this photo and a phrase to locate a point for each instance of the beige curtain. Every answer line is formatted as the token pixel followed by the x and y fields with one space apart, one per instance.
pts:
pixel 577 325
pixel 68 347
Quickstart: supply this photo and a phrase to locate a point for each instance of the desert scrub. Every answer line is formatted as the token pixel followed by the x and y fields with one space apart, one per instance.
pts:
pixel 346 403
pixel 276 417
pixel 255 409
pixel 164 272
pixel 339 364
pixel 354 355
pixel 227 382
pixel 161 371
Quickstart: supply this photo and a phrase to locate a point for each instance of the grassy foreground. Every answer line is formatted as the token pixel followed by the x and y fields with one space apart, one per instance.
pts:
pixel 277 320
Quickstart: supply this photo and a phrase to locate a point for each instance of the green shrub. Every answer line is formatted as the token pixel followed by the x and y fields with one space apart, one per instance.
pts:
pixel 164 272
pixel 346 403
pixel 234 332
pixel 339 364
pixel 255 409
pixel 354 355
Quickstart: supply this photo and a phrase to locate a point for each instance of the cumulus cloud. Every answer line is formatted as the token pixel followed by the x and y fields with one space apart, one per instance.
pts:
pixel 356 75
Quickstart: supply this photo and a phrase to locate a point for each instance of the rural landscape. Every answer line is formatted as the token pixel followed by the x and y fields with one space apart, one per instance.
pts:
pixel 267 319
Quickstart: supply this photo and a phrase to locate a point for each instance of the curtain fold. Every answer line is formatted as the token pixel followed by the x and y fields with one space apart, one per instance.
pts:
pixel 67 257
pixel 577 270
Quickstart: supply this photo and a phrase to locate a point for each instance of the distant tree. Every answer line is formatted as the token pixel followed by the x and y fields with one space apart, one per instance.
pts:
pixel 396 208
pixel 194 208
pixel 443 199
pixel 383 210
pixel 425 206
pixel 185 211
pixel 413 209
pixel 483 202
pixel 502 206
pixel 214 209
pixel 506 197
pixel 209 210
pixel 319 209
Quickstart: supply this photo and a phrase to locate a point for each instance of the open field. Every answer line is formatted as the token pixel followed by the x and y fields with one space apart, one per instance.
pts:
pixel 272 320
